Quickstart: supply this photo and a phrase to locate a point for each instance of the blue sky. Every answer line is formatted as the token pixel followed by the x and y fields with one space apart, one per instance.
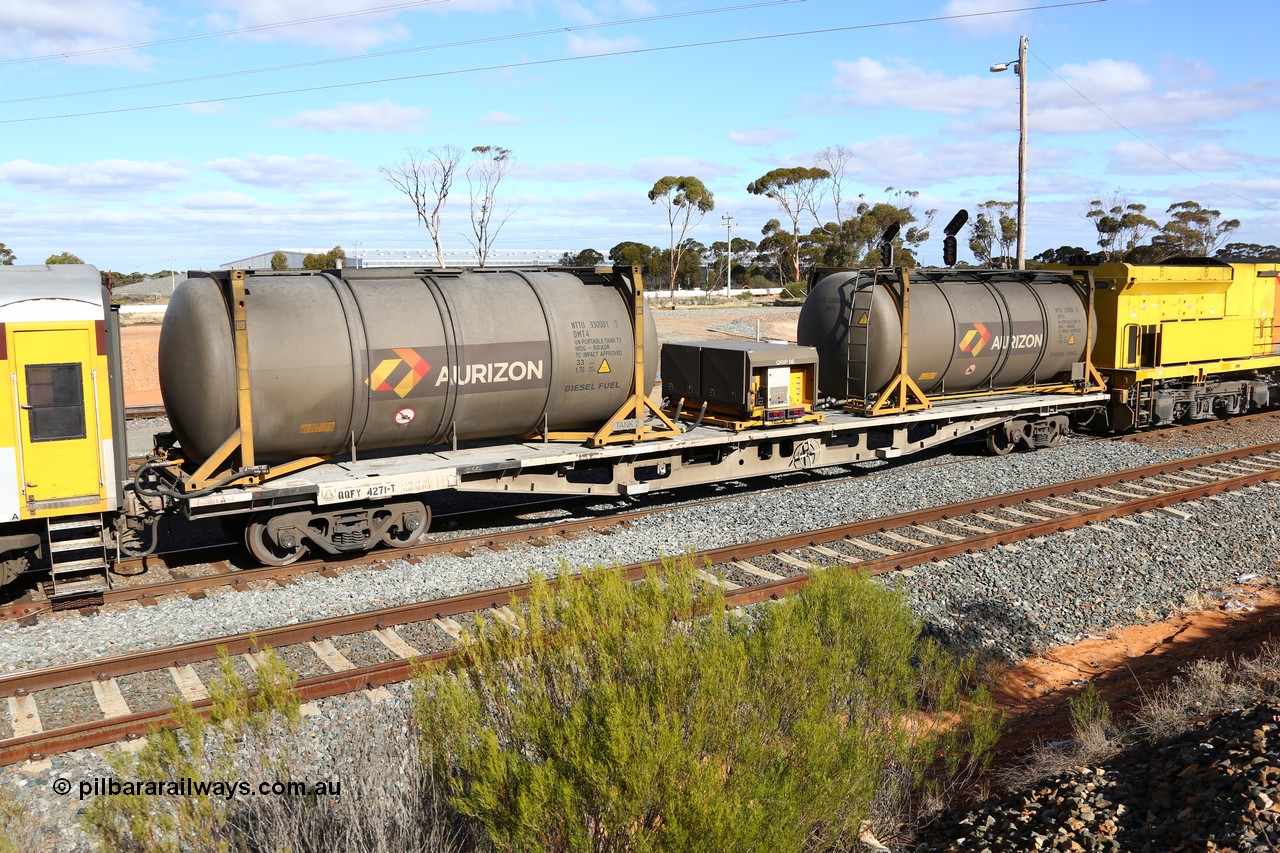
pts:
pixel 145 135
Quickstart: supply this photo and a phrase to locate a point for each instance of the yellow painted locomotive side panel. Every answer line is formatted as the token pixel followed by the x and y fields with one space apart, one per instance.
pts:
pixel 1266 299
pixel 59 397
pixel 1189 342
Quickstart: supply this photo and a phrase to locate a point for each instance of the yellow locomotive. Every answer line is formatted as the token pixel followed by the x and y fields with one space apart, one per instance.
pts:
pixel 61 464
pixel 1186 340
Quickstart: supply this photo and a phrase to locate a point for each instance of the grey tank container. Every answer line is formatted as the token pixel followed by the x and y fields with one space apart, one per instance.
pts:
pixel 395 358
pixel 969 330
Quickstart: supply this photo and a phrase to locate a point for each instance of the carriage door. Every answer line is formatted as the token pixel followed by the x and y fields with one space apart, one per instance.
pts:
pixel 61 457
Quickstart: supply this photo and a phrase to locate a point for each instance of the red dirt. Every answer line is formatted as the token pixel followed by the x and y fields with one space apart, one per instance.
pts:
pixel 138 345
pixel 1127 665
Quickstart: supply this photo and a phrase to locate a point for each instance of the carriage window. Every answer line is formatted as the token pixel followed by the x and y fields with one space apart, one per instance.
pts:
pixel 55 401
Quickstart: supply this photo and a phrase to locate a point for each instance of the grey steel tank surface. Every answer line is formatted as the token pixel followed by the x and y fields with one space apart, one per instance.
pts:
pixel 394 358
pixel 967 330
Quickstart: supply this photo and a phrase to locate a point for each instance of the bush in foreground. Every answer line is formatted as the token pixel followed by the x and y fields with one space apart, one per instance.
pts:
pixel 384 803
pixel 614 716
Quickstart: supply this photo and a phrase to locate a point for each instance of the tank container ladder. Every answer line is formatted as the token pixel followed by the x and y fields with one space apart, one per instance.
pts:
pixel 859 338
pixel 77 556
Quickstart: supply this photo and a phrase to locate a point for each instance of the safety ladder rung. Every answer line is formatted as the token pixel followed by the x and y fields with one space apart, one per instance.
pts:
pixel 62 545
pixel 78 566
pixel 75 523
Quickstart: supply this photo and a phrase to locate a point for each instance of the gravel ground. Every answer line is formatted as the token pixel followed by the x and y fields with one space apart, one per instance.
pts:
pixel 1035 585
pixel 1009 601
pixel 1216 787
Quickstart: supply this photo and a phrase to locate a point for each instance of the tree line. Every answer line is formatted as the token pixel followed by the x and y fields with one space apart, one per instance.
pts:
pixel 821 223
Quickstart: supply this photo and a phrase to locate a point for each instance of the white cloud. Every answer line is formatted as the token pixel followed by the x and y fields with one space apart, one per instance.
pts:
pixel 591 46
pixel 651 169
pixel 903 162
pixel 283 172
pixel 340 27
pixel 499 118
pixel 211 108
pixel 760 135
pixel 870 82
pixel 982 20
pixel 568 171
pixel 382 117
pixel 1140 159
pixel 220 201
pixel 70 27
pixel 1194 109
pixel 96 178
pixel 1101 79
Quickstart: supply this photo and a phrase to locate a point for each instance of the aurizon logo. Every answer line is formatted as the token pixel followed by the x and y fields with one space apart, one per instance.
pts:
pixel 975 340
pixel 417 367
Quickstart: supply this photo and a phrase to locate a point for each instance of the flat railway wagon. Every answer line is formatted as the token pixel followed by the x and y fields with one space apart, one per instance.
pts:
pixel 324 412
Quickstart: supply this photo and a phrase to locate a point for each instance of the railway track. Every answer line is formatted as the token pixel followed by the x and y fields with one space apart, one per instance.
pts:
pixel 137 413
pixel 221 572
pixel 367 651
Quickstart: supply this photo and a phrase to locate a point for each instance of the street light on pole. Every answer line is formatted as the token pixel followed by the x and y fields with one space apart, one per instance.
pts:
pixel 728 254
pixel 1020 68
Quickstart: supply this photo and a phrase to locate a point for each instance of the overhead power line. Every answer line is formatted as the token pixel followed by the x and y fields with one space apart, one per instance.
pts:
pixel 256 28
pixel 1132 133
pixel 556 61
pixel 405 50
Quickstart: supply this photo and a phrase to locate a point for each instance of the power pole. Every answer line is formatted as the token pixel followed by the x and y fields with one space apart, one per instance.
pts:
pixel 1022 152
pixel 728 254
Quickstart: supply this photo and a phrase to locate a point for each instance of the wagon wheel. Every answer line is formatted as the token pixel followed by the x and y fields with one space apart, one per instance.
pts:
pixel 397 538
pixel 999 442
pixel 266 550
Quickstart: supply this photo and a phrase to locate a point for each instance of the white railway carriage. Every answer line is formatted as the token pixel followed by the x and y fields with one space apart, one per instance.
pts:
pixel 61 461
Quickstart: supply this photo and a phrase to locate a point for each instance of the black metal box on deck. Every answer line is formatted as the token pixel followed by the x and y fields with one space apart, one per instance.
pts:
pixel 720 373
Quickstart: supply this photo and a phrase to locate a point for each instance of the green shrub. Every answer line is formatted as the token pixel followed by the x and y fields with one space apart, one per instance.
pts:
pixel 795 290
pixel 19 831
pixel 651 717
pixel 1089 709
pixel 196 750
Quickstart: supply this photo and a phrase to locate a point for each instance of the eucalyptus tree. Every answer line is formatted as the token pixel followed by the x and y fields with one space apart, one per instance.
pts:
pixel 687 200
pixel 1121 224
pixel 426 178
pixel 489 165
pixel 798 190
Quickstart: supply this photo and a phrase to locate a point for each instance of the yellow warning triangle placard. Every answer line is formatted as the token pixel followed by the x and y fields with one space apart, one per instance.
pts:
pixel 1071 340
pixel 862 321
pixel 604 367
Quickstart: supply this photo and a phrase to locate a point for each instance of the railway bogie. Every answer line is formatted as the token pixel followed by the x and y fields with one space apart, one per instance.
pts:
pixel 321 413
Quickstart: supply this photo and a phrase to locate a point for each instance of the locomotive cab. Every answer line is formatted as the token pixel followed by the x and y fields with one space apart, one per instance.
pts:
pixel 59 460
